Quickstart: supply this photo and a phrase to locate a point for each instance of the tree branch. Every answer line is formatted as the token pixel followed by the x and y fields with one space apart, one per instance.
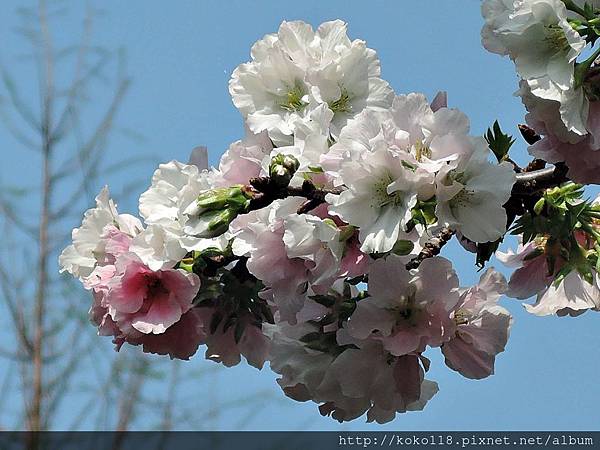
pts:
pixel 267 192
pixel 431 248
pixel 35 410
pixel 530 183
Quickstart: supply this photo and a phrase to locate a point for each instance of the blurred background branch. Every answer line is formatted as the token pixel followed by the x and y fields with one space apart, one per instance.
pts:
pixel 59 104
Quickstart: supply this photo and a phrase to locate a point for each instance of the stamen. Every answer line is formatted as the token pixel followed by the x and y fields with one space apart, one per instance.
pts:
pixel 342 104
pixel 380 193
pixel 463 198
pixel 556 38
pixel 422 151
pixel 293 100
pixel 462 317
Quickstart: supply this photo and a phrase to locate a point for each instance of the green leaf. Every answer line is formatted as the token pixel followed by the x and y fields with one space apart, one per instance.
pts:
pixel 403 247
pixel 498 141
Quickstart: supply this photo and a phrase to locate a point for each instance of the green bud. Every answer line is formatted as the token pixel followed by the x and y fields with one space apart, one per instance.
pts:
pixel 424 212
pixel 220 221
pixel 217 199
pixel 403 247
pixel 330 223
pixel 213 199
pixel 282 169
pixel 291 163
pixel 210 224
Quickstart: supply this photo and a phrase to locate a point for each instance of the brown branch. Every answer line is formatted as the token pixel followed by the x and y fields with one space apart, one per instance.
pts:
pixel 266 192
pixel 167 416
pixel 132 394
pixel 535 164
pixel 531 183
pixel 15 305
pixel 35 410
pixel 431 248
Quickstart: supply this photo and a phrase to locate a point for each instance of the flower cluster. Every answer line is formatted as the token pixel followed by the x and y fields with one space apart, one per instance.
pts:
pixel 548 42
pixel 314 243
pixel 560 259
pixel 297 70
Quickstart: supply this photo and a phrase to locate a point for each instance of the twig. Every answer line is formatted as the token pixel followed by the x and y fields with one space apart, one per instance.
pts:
pixel 530 183
pixel 431 248
pixel 47 93
pixel 267 192
pixel 535 164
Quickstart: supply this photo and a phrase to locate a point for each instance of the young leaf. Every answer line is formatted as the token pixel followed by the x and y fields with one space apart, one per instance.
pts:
pixel 499 142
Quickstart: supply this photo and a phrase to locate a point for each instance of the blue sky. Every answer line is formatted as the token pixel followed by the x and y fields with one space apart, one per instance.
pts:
pixel 180 56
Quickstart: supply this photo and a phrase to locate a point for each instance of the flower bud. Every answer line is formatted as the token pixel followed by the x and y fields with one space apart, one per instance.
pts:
pixel 211 213
pixel 187 264
pixel 210 224
pixel 403 247
pixel 219 222
pixel 282 169
pixel 216 199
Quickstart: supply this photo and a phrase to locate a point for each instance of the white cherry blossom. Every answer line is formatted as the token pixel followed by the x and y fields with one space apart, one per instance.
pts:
pixel 298 66
pixel 470 195
pixel 81 257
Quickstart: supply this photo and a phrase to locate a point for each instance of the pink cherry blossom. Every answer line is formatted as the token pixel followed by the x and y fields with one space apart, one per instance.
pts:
pixel 581 158
pixel 164 322
pixel 371 380
pixel 482 328
pixel 221 345
pixel 295 256
pixel 259 235
pixel 349 383
pixel 147 301
pixel 532 272
pixel 180 341
pixel 405 310
pixel 580 154
pixel 572 296
pixel 243 160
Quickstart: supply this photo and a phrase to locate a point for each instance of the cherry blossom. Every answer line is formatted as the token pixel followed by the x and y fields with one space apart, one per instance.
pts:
pixel 482 328
pixel 297 66
pixel 314 248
